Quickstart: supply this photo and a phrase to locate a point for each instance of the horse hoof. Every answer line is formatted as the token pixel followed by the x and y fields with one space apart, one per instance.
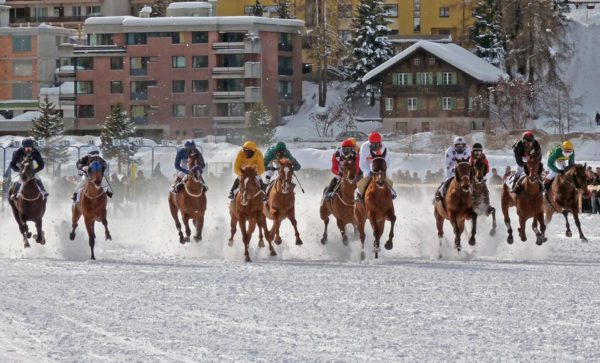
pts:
pixel 583 239
pixel 539 241
pixel 182 240
pixel 524 238
pixel 26 245
pixel 93 258
pixel 493 232
pixel 247 259
pixel 298 242
pixel 363 255
pixel 72 236
pixel 273 253
pixel 510 240
pixel 472 242
pixel 29 235
pixel 569 234
pixel 323 240
pixel 197 238
pixel 458 247
pixel 278 241
pixel 230 242
pixel 108 237
pixel 389 245
pixel 186 239
pixel 261 243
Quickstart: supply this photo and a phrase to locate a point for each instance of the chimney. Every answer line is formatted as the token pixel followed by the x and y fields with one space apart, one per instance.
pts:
pixel 145 12
pixel 4 14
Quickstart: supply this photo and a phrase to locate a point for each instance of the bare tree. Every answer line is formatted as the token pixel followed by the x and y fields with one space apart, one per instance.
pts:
pixel 510 103
pixel 562 106
pixel 341 114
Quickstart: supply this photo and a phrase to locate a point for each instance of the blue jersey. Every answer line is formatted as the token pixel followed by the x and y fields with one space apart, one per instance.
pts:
pixel 181 160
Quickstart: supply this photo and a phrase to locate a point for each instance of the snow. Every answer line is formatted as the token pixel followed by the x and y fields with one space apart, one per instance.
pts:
pixel 64 88
pixel 451 53
pixel 190 5
pixel 26 116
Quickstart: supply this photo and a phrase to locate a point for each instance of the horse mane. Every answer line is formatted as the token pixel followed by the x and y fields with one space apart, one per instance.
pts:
pixel 284 161
pixel 249 170
pixel 380 162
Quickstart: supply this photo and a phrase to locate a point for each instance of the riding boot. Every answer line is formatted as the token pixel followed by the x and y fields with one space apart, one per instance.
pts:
pixel 263 187
pixel 330 187
pixel 236 184
pixel 109 193
pixel 74 197
pixel 173 189
pixel 41 186
pixel 547 184
pixel 515 188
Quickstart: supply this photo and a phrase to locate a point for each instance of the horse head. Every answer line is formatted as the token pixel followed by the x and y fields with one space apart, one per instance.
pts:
pixel 349 168
pixel 249 186
pixel 576 173
pixel 533 164
pixel 463 173
pixel 194 167
pixel 379 169
pixel 286 172
pixel 96 172
pixel 27 171
pixel 479 168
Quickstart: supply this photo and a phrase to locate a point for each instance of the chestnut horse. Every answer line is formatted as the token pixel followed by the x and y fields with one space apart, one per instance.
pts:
pixel 563 196
pixel 378 207
pixel 190 201
pixel 529 203
pixel 29 205
pixel 92 205
pixel 481 194
pixel 282 201
pixel 457 205
pixel 248 207
pixel 341 205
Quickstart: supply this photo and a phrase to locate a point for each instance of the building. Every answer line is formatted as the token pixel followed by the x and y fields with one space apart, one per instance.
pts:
pixel 184 76
pixel 433 86
pixel 28 60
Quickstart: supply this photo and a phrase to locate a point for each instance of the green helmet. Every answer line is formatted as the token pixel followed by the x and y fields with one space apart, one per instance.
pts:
pixel 280 146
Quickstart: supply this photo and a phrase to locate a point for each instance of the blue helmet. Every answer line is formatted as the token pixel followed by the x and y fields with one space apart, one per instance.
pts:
pixel 189 144
pixel 94 150
pixel 27 142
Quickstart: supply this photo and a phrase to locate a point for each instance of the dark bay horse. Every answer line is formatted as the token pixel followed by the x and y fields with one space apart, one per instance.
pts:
pixel 247 207
pixel 457 205
pixel 529 203
pixel 190 201
pixel 563 196
pixel 378 207
pixel 282 201
pixel 342 203
pixel 92 205
pixel 29 205
pixel 481 194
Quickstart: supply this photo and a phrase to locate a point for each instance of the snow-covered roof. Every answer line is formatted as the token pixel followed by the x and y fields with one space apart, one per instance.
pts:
pixel 132 21
pixel 66 88
pixel 453 54
pixel 190 5
pixel 26 116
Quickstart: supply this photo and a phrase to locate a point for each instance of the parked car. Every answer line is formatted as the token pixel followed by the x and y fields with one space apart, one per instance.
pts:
pixel 358 135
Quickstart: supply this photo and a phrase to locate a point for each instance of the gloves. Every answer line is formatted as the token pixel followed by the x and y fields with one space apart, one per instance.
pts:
pixel 186 172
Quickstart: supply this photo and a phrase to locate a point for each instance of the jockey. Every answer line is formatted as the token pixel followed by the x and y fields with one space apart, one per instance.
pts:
pixel 181 158
pixel 354 144
pixel 477 153
pixel 276 152
pixel 522 149
pixel 559 159
pixel 249 155
pixel 347 149
pixel 454 155
pixel 83 164
pixel 368 151
pixel 27 150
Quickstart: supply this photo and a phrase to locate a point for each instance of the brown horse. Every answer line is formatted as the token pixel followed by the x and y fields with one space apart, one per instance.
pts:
pixel 481 194
pixel 529 203
pixel 92 205
pixel 457 205
pixel 378 207
pixel 190 201
pixel 563 196
pixel 342 203
pixel 247 207
pixel 29 205
pixel 282 201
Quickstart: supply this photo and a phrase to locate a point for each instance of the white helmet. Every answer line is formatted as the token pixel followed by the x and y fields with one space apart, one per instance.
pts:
pixel 459 140
pixel 94 150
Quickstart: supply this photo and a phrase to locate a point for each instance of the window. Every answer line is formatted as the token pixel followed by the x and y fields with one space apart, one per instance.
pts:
pixel 345 36
pixel 446 78
pixel 40 13
pixel 417 16
pixel 93 10
pixel 417 61
pixel 116 87
pixel 139 66
pixel 198 61
pixel 412 104
pixel 232 60
pixel 22 67
pixel 22 91
pixel 85 111
pixel 286 110
pixel 76 10
pixel 401 79
pixel 199 37
pixel 178 110
pixel 285 66
pixel 136 38
pixel 84 87
pixel 84 63
pixel 402 127
pixel 389 104
pixel 390 11
pixel 178 62
pixel 235 109
pixel 199 110
pixel 199 86
pixel 345 10
pixel 285 42
pixel 177 38
pixel 431 61
pixel 444 12
pixel 285 90
pixel 58 11
pixel 139 89
pixel 447 103
pixel 116 62
pixel 100 39
pixel 139 114
pixel 21 43
pixel 178 86
pixel 426 78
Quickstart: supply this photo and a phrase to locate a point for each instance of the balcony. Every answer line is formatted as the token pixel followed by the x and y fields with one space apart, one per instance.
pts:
pixel 139 96
pixel 228 96
pixel 48 19
pixel 229 122
pixel 228 72
pixel 285 71
pixel 236 47
pixel 252 70
pixel 67 99
pixel 253 95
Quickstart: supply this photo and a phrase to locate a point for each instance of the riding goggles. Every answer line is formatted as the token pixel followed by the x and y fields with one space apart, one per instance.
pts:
pixel 567 153
pixel 477 153
pixel 375 145
pixel 347 150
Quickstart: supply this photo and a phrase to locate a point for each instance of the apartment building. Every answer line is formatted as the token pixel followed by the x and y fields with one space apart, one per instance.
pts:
pixel 184 76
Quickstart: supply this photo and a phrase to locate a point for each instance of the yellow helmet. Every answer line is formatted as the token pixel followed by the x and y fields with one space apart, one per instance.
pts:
pixel 567 145
pixel 250 145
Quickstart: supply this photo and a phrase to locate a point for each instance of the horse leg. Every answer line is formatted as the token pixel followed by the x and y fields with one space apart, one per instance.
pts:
pixel 539 239
pixel 275 228
pixel 39 237
pixel 186 223
pixel 522 233
pixel 292 218
pixel 89 226
pixel 261 240
pixel 566 214
pixel 578 224
pixel 542 222
pixel 474 230
pixel 492 211
pixel 342 227
pixel 245 238
pixel 22 227
pixel 232 228
pixel 262 221
pixel 199 223
pixel 376 224
pixel 457 233
pixel 326 223
pixel 361 234
pixel 392 218
pixel 107 235
pixel 76 214
pixel 439 223
pixel 510 238
pixel 175 215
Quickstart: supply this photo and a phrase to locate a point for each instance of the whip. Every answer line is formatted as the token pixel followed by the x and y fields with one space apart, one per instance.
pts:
pixel 300 185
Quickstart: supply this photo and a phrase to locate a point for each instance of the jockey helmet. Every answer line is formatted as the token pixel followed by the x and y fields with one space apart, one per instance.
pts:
pixel 459 140
pixel 528 136
pixel 94 150
pixel 374 137
pixel 28 142
pixel 280 146
pixel 477 147
pixel 249 145
pixel 347 143
pixel 567 146
pixel 189 144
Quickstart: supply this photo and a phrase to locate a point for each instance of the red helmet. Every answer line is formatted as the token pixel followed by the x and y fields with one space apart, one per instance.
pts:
pixel 528 136
pixel 347 143
pixel 374 137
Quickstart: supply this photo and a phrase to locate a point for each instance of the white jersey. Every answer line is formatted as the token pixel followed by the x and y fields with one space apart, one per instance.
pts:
pixel 453 158
pixel 366 157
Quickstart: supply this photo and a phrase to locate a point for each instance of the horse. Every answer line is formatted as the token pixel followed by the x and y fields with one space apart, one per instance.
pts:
pixel 190 201
pixel 481 194
pixel 378 207
pixel 29 205
pixel 248 207
pixel 281 201
pixel 563 196
pixel 529 203
pixel 342 203
pixel 92 205
pixel 457 205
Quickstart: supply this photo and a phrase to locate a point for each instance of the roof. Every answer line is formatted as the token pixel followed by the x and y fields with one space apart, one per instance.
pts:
pixel 453 54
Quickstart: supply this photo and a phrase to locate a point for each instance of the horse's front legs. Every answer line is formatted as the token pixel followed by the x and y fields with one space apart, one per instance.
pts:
pixel 342 227
pixel 540 236
pixel 107 235
pixel 199 224
pixel 39 237
pixel 492 211
pixel 377 225
pixel 566 214
pixel 392 218
pixel 186 222
pixel 89 226
pixel 473 230
pixel 292 218
pixel 232 227
pixel 578 224
pixel 245 238
pixel 509 229
pixel 76 214
pixel 458 229
pixel 522 233
pixel 275 228
pixel 262 223
pixel 175 215
pixel 325 223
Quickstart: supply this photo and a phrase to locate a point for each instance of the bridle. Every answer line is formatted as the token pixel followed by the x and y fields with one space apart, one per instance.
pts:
pixel 195 176
pixel 26 165
pixel 459 178
pixel 245 200
pixel 287 172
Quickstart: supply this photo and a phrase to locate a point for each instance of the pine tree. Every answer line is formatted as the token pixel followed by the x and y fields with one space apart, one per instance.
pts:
pixel 257 9
pixel 284 10
pixel 370 45
pixel 486 33
pixel 117 127
pixel 49 128
pixel 260 127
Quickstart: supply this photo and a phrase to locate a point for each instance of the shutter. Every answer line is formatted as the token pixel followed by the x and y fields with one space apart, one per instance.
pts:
pixel 430 78
pixel 394 79
pixel 470 104
pixel 453 103
pixel 454 78
pixel 418 79
pixel 439 78
pixel 418 104
pixel 406 103
pixel 439 101
pixel 410 79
